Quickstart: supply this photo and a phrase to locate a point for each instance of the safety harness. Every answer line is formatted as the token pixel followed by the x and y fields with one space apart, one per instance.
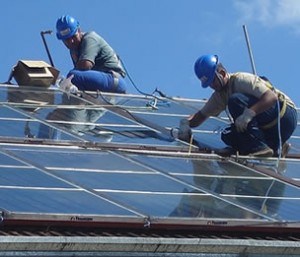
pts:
pixel 282 99
pixel 274 122
pixel 116 77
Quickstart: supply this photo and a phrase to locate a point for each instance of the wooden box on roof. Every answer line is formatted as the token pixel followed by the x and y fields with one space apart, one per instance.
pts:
pixel 34 73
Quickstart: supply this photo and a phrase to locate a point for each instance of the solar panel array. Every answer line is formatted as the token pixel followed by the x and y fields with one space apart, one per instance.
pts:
pixel 99 156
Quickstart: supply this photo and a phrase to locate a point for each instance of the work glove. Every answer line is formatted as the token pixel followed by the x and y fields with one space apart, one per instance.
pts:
pixel 67 86
pixel 184 131
pixel 242 121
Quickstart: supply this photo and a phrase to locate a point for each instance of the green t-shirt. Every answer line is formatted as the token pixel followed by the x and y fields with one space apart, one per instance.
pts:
pixel 95 49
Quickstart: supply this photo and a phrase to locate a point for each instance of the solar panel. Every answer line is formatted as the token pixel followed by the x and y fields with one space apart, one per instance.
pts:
pixel 105 155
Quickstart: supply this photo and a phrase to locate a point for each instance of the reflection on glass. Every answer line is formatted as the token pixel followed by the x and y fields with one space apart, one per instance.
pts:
pixel 74 119
pixel 252 193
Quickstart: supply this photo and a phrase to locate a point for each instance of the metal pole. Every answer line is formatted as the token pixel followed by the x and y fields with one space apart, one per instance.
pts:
pixel 254 72
pixel 249 49
pixel 46 46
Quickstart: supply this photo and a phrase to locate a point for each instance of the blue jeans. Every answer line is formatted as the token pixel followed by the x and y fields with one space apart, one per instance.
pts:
pixel 91 80
pixel 255 138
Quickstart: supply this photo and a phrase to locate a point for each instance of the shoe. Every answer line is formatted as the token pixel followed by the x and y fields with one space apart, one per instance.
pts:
pixel 226 151
pixel 265 152
pixel 284 150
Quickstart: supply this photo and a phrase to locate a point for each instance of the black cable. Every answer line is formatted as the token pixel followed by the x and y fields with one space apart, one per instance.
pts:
pixel 99 93
pixel 137 89
pixel 46 45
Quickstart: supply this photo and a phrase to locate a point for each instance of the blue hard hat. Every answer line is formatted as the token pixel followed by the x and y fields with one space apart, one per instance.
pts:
pixel 66 27
pixel 205 68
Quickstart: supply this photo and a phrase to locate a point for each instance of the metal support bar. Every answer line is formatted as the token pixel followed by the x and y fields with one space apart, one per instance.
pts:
pixel 46 46
pixel 249 49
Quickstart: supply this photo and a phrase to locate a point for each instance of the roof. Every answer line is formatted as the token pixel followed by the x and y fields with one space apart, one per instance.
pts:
pixel 104 165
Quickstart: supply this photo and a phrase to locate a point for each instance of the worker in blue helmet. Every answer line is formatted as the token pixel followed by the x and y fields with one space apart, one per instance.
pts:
pixel 96 65
pixel 205 69
pixel 255 107
pixel 66 27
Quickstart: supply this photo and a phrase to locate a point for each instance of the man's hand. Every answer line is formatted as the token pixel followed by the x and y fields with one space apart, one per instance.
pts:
pixel 184 131
pixel 67 86
pixel 242 121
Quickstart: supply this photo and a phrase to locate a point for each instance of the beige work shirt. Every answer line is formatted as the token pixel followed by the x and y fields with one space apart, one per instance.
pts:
pixel 241 82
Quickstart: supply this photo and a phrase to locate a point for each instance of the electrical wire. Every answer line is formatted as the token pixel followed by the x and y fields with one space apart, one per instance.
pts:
pixel 278 126
pixel 278 118
pixel 279 132
pixel 135 86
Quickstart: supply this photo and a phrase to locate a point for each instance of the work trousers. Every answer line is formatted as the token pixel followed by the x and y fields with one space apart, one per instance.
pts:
pixel 92 80
pixel 255 138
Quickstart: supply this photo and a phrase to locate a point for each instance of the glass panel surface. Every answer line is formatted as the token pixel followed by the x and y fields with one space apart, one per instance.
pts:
pixel 186 205
pixel 243 186
pixel 59 201
pixel 41 178
pixel 25 188
pixel 129 183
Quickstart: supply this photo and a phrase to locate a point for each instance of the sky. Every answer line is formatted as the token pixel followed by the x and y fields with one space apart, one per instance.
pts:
pixel 160 40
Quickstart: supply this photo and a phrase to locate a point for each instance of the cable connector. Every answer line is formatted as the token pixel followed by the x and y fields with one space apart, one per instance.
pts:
pixel 147 222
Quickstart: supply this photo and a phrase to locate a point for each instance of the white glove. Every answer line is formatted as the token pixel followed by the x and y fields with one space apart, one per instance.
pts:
pixel 184 131
pixel 67 86
pixel 242 121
